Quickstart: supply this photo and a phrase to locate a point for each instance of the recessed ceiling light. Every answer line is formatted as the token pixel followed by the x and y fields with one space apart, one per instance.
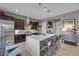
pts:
pixel 16 10
pixel 51 14
pixel 45 9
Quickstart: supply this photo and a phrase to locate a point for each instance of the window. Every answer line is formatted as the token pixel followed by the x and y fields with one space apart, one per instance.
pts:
pixel 68 25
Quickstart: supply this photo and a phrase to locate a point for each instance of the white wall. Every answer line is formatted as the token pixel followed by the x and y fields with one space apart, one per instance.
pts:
pixel 54 27
pixel 71 15
pixel 57 28
pixel 44 26
pixel 28 20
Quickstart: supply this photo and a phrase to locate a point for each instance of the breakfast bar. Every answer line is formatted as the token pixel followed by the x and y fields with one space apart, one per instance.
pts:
pixel 36 43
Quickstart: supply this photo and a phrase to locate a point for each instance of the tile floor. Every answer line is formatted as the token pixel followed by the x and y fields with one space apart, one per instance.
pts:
pixel 68 50
pixel 64 50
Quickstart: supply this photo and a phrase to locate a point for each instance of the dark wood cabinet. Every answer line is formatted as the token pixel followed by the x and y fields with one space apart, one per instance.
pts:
pixel 35 25
pixel 7 18
pixel 19 24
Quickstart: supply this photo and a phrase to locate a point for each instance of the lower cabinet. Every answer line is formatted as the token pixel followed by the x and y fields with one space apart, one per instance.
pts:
pixel 19 38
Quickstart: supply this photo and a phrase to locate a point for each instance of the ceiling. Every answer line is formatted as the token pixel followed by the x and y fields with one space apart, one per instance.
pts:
pixel 36 11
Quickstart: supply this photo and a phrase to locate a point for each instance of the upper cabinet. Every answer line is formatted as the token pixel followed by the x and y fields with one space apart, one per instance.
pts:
pixel 35 25
pixel 19 24
pixel 7 18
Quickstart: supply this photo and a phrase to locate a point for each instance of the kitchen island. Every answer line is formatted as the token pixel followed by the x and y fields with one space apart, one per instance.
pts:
pixel 36 43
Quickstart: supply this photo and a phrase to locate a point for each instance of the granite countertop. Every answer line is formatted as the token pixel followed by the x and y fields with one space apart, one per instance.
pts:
pixel 41 37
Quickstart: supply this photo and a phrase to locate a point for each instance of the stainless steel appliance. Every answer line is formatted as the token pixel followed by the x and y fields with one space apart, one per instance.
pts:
pixel 6 34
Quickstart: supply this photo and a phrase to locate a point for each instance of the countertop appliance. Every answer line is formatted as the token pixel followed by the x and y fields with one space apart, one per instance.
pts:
pixel 6 34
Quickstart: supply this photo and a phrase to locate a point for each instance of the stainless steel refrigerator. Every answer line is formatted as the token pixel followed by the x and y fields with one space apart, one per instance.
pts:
pixel 6 35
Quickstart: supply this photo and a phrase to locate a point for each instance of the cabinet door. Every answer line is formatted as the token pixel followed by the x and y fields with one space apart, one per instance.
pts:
pixel 19 24
pixel 7 18
pixel 16 24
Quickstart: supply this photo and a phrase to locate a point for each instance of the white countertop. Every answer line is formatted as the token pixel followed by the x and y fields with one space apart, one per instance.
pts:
pixel 18 32
pixel 41 36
